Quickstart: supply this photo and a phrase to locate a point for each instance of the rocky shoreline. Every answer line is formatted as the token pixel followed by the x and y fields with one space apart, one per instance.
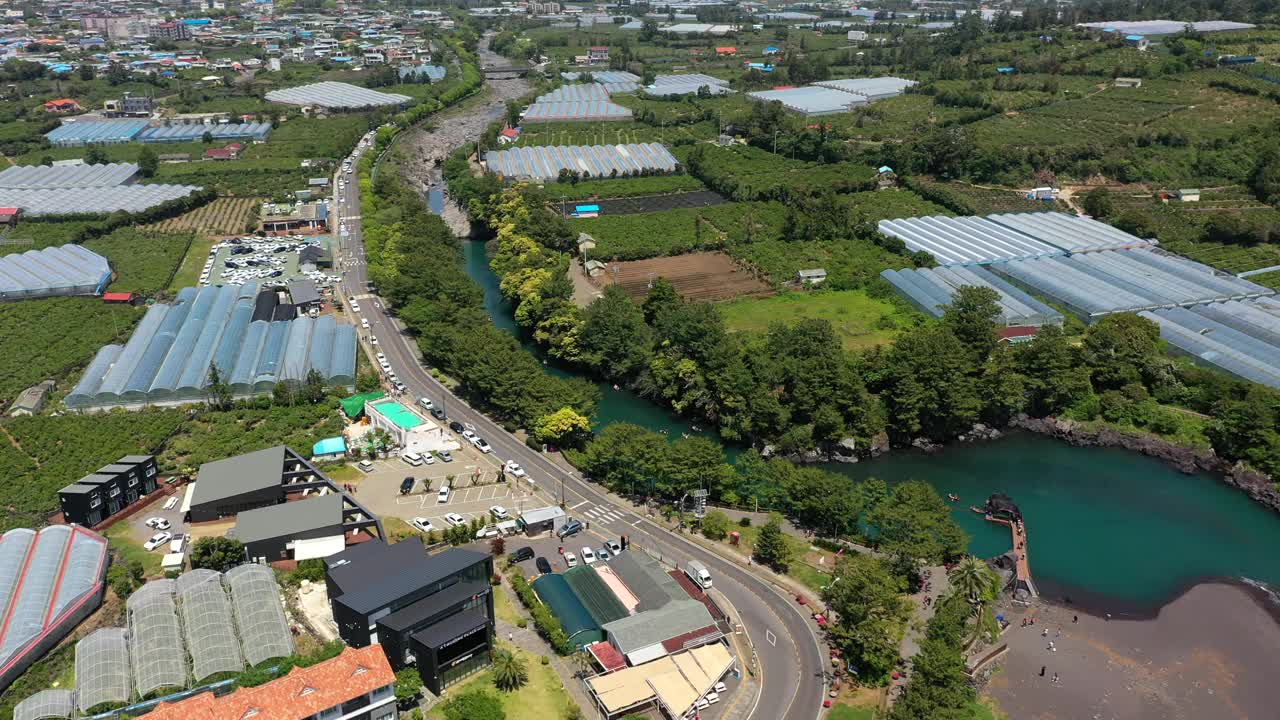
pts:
pixel 1256 485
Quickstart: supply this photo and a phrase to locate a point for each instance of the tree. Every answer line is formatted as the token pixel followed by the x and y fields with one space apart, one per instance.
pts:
pixel 978 584
pixel 148 161
pixel 498 546
pixel 916 523
pixel 972 315
pixel 474 705
pixel 1249 429
pixel 220 395
pixel 1120 350
pixel 217 553
pixel 510 672
pixel 408 687
pixel 771 546
pixel 314 386
pixel 562 428
pixel 615 339
pixel 870 614
pixel 207 137
pixel 1097 202
pixel 715 525
pixel 96 156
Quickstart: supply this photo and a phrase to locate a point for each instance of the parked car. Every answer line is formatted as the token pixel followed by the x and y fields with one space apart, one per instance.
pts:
pixel 522 554
pixel 177 543
pixel 422 525
pixel 157 523
pixel 456 426
pixel 481 445
pixel 406 485
pixel 437 413
pixel 603 553
pixel 157 540
pixel 469 436
pixel 499 512
pixel 426 403
pixel 513 468
pixel 614 546
pixel 488 531
pixel 443 495
pixel 455 519
pixel 570 559
pixel 445 456
pixel 543 565
pixel 588 555
pixel 572 527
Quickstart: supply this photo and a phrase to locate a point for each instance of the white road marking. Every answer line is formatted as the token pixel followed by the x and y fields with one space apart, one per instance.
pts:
pixel 770 637
pixel 584 502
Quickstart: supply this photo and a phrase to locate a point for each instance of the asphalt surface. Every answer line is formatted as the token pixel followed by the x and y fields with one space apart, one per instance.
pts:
pixel 791 662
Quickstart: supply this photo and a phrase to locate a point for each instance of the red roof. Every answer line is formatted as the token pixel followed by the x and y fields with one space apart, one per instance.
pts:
pixel 300 694
pixel 61 103
pixel 677 643
pixel 607 655
pixel 6 211
pixel 117 296
pixel 1018 332
pixel 511 133
pixel 727 50
pixel 696 593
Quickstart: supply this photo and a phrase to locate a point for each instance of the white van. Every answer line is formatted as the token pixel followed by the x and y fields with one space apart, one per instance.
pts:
pixel 443 495
pixel 365 466
pixel 412 458
pixel 426 403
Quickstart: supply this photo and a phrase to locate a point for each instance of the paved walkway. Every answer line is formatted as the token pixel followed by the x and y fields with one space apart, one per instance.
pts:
pixel 921 613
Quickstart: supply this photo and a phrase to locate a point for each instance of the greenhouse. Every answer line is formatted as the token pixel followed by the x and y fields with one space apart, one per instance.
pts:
pixel 156 653
pixel 53 272
pixel 102 668
pixel 95 132
pixel 93 200
pixel 33 177
pixel 206 615
pixel 169 358
pixel 255 601
pixel 576 93
pixel 194 132
pixel 1008 236
pixel 599 161
pixel 1241 338
pixel 46 705
pixel 569 111
pixel 336 96
pixel 930 290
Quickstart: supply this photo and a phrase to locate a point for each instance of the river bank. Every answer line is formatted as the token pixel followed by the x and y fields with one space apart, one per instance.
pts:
pixel 1209 653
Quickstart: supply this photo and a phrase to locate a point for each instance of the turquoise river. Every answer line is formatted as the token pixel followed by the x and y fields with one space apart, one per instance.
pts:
pixel 1106 527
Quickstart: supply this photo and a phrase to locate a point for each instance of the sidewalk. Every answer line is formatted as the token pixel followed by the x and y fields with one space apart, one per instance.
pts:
pixel 921 614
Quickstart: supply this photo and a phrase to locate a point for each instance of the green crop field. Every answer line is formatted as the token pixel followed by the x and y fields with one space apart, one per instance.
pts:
pixel 860 320
pixel 849 263
pixel 1109 108
pixel 624 187
pixel 143 262
pixel 33 235
pixel 635 237
pixel 968 199
pixel 742 172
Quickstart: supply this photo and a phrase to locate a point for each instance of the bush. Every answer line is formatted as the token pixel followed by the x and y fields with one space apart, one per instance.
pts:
pixel 217 553
pixel 474 705
pixel 715 525
pixel 547 625
pixel 744 521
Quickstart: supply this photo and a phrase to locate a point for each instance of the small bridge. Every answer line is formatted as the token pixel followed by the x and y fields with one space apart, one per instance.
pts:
pixel 505 72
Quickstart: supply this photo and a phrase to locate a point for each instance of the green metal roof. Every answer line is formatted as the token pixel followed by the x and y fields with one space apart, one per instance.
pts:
pixel 402 416
pixel 354 406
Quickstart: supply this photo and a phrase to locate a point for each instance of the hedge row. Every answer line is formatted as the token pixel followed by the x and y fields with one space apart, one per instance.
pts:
pixel 547 624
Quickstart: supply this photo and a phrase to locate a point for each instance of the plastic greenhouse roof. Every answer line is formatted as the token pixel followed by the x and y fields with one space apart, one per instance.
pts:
pixel 188 132
pixel 546 162
pixel 1241 338
pixel 569 610
pixel 931 289
pixel 83 132
pixel 205 610
pixel 570 111
pixel 27 177
pixel 44 577
pixel 1166 27
pixel 155 638
pixel 102 668
pixel 45 705
pixel 62 201
pixel 169 356
pixel 811 100
pixel 576 93
pixel 335 95
pixel 595 595
pixel 870 87
pixel 259 613
pixel 65 270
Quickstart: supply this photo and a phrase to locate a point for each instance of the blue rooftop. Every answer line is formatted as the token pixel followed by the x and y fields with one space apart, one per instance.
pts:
pixel 330 446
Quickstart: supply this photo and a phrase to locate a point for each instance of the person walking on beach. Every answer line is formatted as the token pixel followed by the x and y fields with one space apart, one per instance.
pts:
pixel 1075 619
pixel 1042 669
pixel 1055 678
pixel 1044 632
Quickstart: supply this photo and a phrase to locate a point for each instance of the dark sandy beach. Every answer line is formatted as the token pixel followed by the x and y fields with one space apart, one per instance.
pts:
pixel 1214 652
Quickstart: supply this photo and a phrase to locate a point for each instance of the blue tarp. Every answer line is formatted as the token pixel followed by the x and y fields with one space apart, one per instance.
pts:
pixel 329 446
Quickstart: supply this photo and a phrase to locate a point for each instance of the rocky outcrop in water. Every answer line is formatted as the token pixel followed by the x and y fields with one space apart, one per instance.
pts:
pixel 1187 459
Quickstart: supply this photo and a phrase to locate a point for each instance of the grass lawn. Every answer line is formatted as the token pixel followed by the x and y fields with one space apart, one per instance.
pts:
pixel 128 549
pixel 193 264
pixel 343 473
pixel 503 607
pixel 542 697
pixel 849 712
pixel 802 566
pixel 860 320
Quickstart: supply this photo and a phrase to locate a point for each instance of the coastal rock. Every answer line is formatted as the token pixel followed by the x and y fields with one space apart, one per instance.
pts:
pixel 880 445
pixel 768 451
pixel 980 432
pixel 925 444
pixel 845 451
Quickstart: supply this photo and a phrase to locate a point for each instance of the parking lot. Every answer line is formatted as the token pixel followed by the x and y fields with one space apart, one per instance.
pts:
pixel 139 531
pixel 268 261
pixel 474 489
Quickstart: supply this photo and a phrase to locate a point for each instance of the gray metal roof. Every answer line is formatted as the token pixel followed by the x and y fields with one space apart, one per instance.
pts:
pixel 65 201
pixel 53 271
pixel 600 161
pixel 652 586
pixel 291 518
pixel 331 94
pixel 44 577
pixel 542 514
pixel 303 292
pixel 376 574
pixel 237 475
pixel 26 177
pixel 650 628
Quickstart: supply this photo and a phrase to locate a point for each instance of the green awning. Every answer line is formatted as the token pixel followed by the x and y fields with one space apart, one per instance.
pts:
pixel 354 406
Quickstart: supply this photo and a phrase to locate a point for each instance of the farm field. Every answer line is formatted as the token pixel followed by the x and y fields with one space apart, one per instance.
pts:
pixel 1109 108
pixel 624 187
pixel 658 203
pixel 849 263
pixel 223 216
pixel 968 199
pixel 56 337
pixel 29 235
pixel 742 173
pixel 707 276
pixel 860 320
pixel 876 205
pixel 633 237
pixel 615 133
pixel 144 262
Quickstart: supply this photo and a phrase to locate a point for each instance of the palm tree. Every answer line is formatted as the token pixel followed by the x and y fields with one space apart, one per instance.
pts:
pixel 978 584
pixel 509 671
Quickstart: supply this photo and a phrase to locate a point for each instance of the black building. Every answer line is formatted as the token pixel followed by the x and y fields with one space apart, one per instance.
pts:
pixel 97 496
pixel 312 527
pixel 432 610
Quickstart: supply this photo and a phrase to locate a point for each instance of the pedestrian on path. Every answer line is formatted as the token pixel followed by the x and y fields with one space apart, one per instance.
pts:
pixel 1042 669
pixel 510 636
pixel 1055 678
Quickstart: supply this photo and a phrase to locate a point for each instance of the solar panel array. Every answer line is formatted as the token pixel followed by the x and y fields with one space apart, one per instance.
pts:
pixel 45 577
pixel 46 705
pixel 1098 283
pixel 932 289
pixel 190 132
pixel 102 668
pixel 66 201
pixel 97 132
pixel 53 271
pixel 259 615
pixel 205 610
pixel 1239 337
pixel 336 95
pixel 30 177
pixel 546 162
pixel 167 359
pixel 218 621
pixel 573 111
pixel 1010 236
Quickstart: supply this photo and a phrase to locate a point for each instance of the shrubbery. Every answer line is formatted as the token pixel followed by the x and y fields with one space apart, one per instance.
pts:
pixel 546 623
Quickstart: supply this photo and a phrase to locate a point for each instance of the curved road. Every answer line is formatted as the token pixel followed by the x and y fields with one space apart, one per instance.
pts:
pixel 791 663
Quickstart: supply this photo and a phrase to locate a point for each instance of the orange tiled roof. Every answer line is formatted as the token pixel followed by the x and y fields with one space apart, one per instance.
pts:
pixel 301 693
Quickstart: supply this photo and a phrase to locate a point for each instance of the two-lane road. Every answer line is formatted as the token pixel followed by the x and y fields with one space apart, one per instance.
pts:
pixel 790 661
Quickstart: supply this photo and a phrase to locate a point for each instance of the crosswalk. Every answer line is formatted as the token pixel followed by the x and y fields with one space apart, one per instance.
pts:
pixel 602 513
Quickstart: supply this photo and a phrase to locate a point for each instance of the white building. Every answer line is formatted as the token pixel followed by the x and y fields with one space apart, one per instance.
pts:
pixel 408 429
